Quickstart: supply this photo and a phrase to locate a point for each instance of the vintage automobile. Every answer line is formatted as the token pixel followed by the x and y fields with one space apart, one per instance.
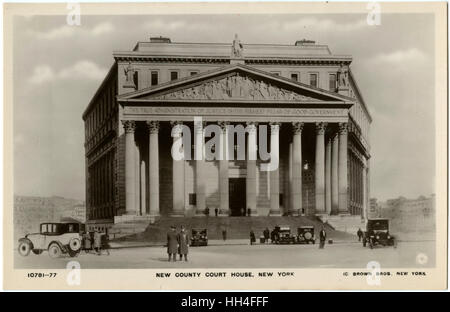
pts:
pixel 285 236
pixel 377 233
pixel 57 238
pixel 199 237
pixel 305 235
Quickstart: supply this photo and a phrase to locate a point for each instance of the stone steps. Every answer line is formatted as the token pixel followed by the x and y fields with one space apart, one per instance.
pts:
pixel 237 227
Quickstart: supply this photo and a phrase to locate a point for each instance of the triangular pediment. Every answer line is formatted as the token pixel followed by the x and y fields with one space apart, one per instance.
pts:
pixel 235 83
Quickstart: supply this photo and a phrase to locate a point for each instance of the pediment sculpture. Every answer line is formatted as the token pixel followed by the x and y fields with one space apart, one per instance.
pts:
pixel 234 87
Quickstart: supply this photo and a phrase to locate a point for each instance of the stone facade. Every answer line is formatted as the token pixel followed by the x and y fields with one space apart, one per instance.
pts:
pixel 306 96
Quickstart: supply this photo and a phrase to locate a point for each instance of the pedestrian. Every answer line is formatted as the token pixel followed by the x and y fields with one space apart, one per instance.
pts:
pixel 252 237
pixel 97 242
pixel 207 211
pixel 183 244
pixel 272 236
pixel 216 211
pixel 360 234
pixel 266 234
pixel 322 237
pixel 242 211
pixel 249 212
pixel 87 243
pixel 224 234
pixel 105 242
pixel 172 243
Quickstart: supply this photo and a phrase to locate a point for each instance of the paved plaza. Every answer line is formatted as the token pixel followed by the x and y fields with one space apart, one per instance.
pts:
pixel 339 255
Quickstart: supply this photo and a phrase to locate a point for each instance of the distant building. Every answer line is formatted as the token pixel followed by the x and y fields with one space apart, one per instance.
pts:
pixel 411 214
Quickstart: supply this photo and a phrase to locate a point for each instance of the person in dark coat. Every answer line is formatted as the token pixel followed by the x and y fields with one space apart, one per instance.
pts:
pixel 216 211
pixel 322 238
pixel 207 211
pixel 266 234
pixel 224 234
pixel 360 234
pixel 98 242
pixel 252 237
pixel 172 244
pixel 183 244
pixel 249 212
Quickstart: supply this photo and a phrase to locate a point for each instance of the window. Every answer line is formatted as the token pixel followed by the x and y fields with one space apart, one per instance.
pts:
pixel 294 77
pixel 192 73
pixel 333 82
pixel 173 75
pixel 192 199
pixel 154 78
pixel 313 80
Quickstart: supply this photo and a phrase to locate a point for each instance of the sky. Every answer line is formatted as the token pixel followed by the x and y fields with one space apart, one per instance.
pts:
pixel 57 68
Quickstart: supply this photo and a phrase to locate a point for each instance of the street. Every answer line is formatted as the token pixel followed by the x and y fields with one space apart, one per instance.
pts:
pixel 342 255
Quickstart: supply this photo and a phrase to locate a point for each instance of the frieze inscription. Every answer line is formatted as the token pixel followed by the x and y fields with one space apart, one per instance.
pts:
pixel 233 111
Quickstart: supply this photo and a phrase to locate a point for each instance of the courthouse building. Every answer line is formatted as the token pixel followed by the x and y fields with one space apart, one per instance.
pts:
pixel 306 96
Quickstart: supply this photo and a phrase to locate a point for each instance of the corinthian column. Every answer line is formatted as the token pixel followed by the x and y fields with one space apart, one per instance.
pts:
pixel 178 170
pixel 274 174
pixel 320 167
pixel 199 168
pixel 296 194
pixel 223 170
pixel 343 184
pixel 334 175
pixel 251 168
pixel 153 167
pixel 130 167
pixel 328 176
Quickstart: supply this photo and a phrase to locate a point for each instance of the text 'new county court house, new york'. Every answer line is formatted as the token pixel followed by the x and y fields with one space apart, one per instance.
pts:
pixel 307 98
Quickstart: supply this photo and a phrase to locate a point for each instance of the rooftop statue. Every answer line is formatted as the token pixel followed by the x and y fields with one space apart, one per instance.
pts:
pixel 236 48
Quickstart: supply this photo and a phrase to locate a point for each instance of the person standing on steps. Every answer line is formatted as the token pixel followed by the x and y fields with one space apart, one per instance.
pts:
pixel 266 234
pixel 224 233
pixel 172 244
pixel 183 244
pixel 252 237
pixel 322 238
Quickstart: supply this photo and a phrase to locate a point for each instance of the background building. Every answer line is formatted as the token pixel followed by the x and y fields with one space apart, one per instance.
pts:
pixel 307 97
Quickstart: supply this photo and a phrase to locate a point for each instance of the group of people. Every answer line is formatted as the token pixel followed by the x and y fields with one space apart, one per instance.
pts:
pixel 96 241
pixel 177 243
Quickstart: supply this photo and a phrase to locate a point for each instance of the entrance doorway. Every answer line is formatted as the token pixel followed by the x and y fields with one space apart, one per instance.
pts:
pixel 237 196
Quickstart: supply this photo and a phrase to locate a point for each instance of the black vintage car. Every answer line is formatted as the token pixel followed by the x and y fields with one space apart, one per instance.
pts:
pixel 199 237
pixel 305 235
pixel 285 236
pixel 377 233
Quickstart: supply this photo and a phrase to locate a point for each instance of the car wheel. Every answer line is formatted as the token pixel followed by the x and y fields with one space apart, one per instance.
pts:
pixel 37 251
pixel 54 251
pixel 74 244
pixel 24 249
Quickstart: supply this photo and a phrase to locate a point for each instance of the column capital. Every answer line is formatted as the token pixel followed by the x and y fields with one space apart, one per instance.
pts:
pixel 153 126
pixel 320 127
pixel 177 128
pixel 129 126
pixel 223 124
pixel 343 128
pixel 274 127
pixel 251 126
pixel 297 127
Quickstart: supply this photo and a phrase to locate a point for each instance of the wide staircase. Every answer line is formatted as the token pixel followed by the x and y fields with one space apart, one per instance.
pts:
pixel 236 227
